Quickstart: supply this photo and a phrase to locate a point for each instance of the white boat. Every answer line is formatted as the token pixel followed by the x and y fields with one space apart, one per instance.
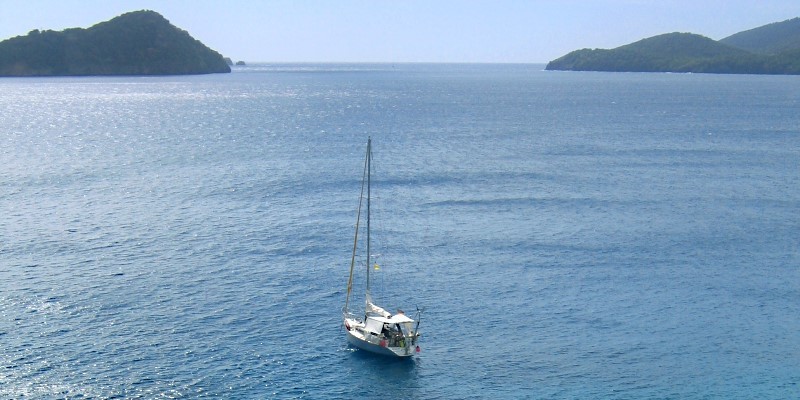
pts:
pixel 375 330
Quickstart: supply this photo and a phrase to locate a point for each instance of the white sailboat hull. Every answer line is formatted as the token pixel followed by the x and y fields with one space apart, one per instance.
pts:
pixel 366 341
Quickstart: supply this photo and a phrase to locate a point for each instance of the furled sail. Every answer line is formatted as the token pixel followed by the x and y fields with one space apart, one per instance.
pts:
pixel 373 309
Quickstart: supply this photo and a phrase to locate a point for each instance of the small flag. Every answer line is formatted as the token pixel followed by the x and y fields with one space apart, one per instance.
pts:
pixel 377 267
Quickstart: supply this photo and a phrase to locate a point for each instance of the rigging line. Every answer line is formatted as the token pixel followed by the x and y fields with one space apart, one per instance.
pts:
pixel 376 236
pixel 379 235
pixel 355 238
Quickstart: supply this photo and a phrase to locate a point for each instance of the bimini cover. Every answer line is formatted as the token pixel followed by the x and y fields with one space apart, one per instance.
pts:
pixel 394 319
pixel 375 324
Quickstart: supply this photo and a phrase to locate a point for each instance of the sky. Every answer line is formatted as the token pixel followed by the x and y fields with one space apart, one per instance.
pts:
pixel 468 31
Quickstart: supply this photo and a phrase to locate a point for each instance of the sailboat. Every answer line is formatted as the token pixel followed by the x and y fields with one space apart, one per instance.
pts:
pixel 375 330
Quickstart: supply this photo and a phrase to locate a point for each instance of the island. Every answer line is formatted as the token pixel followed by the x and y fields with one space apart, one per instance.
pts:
pixel 135 43
pixel 770 49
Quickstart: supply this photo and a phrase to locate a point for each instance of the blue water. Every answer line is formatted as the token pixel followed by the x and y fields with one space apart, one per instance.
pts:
pixel 570 235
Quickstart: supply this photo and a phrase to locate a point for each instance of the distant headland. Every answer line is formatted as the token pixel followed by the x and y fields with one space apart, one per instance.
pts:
pixel 769 49
pixel 135 43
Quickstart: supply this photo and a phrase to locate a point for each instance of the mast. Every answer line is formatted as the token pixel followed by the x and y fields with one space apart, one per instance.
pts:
pixel 355 237
pixel 369 173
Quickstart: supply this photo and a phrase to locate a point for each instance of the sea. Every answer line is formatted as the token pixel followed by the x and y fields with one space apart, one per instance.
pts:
pixel 566 235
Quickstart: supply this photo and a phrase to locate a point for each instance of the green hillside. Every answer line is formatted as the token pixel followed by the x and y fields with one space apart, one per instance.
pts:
pixel 672 52
pixel 687 52
pixel 135 43
pixel 769 39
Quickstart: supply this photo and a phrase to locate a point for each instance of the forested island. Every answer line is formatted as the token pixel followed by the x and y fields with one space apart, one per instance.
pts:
pixel 135 43
pixel 770 49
